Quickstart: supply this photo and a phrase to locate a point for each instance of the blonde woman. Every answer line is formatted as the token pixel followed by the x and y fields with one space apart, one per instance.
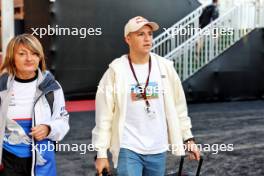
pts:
pixel 29 120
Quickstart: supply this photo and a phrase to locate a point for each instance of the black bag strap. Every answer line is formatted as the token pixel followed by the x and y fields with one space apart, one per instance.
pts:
pixel 198 168
pixel 50 98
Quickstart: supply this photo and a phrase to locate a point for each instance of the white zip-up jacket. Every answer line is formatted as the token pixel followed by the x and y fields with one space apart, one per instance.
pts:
pixel 58 119
pixel 111 104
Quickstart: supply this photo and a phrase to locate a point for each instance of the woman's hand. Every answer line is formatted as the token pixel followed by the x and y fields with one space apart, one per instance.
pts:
pixel 40 132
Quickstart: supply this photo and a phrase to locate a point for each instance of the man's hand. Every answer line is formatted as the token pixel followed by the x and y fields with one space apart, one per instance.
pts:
pixel 100 164
pixel 40 132
pixel 193 150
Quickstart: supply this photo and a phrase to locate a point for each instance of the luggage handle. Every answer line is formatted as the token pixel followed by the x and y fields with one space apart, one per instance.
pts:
pixel 104 173
pixel 198 168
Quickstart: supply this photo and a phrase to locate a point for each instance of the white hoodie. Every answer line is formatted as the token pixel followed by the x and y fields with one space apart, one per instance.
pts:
pixel 111 99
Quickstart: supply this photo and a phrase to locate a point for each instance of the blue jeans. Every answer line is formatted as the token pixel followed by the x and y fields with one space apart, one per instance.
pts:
pixel 133 164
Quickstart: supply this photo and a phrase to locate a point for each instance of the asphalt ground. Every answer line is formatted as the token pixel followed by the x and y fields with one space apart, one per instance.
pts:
pixel 239 124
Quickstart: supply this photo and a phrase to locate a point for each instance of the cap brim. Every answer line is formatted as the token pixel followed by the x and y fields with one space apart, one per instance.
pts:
pixel 153 25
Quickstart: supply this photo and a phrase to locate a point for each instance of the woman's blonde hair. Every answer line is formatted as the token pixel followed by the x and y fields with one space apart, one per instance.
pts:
pixel 28 41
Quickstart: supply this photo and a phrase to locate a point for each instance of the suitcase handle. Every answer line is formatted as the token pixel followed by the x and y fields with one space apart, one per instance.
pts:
pixel 105 173
pixel 198 168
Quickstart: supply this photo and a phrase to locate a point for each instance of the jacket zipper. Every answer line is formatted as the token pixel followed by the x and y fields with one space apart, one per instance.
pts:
pixel 33 140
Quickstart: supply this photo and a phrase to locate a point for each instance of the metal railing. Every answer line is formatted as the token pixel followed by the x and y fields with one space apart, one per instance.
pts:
pixel 260 13
pixel 172 37
pixel 212 40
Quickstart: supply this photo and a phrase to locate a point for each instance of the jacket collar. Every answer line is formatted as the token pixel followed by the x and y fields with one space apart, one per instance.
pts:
pixel 46 81
pixel 117 64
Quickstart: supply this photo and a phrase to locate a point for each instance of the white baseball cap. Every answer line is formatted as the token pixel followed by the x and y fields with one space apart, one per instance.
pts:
pixel 136 23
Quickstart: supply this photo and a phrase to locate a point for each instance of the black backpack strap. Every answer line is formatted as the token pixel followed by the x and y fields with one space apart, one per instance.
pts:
pixel 50 98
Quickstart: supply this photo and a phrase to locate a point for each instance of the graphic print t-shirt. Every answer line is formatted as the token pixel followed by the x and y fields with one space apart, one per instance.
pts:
pixel 142 133
pixel 17 139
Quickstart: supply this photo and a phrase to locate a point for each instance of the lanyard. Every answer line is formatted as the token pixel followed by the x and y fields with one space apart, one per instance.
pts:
pixel 144 93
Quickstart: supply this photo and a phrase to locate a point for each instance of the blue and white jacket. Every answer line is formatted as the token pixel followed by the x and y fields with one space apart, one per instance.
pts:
pixel 43 162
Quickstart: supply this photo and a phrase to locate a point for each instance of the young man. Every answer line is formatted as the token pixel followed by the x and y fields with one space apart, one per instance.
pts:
pixel 140 108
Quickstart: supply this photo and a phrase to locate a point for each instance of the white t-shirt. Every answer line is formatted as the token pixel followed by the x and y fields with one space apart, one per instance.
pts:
pixel 144 134
pixel 22 99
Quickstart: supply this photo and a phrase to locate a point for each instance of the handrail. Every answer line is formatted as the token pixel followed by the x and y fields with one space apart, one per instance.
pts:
pixel 200 49
pixel 170 39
